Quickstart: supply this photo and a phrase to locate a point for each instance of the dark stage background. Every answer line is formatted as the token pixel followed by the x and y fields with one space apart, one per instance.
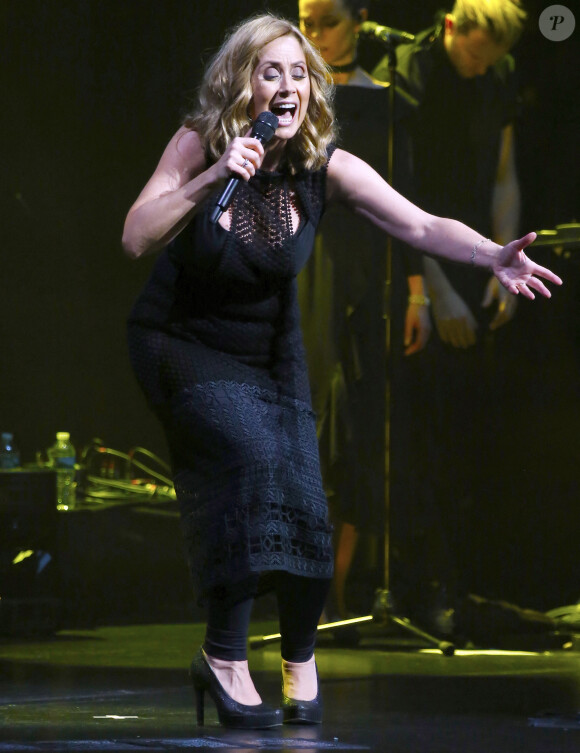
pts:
pixel 91 92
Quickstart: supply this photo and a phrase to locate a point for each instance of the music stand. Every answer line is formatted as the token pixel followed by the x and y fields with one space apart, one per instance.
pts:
pixel 357 106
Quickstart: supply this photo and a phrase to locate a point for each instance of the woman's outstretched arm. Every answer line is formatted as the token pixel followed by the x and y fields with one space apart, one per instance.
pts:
pixel 356 185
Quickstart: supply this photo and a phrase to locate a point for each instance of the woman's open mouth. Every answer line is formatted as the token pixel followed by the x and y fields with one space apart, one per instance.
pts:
pixel 285 112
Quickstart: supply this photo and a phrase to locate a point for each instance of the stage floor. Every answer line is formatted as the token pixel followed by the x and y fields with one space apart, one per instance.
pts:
pixel 126 689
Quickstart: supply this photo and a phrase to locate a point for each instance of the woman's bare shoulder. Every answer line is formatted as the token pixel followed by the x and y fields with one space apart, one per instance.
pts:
pixel 344 169
pixel 185 153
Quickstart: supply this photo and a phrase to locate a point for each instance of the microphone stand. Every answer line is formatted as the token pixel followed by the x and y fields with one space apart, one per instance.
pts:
pixel 384 610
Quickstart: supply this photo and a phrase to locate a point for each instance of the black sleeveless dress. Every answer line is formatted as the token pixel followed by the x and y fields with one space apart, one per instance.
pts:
pixel 215 342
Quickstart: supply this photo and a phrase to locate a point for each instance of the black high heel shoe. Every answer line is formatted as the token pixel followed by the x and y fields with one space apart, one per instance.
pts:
pixel 302 712
pixel 230 712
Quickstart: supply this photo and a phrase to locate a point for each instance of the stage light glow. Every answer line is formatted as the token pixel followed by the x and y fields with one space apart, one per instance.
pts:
pixel 21 556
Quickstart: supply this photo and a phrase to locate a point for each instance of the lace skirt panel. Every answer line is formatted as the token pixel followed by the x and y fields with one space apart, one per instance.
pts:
pixel 246 465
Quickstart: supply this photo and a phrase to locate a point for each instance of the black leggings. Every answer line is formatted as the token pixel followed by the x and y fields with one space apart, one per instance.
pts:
pixel 300 604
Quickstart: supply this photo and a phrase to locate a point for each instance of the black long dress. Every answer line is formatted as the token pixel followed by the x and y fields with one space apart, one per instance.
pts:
pixel 215 342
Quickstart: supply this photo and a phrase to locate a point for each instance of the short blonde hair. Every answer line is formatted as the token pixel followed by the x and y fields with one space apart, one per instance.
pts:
pixel 226 93
pixel 503 20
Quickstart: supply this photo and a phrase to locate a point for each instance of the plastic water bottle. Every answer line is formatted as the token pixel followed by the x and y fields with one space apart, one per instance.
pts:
pixel 9 453
pixel 62 457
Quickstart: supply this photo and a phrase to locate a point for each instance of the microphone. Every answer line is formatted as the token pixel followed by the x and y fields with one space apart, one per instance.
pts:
pixel 263 129
pixel 385 34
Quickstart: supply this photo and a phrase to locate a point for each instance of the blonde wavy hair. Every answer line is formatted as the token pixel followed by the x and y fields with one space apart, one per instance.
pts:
pixel 226 93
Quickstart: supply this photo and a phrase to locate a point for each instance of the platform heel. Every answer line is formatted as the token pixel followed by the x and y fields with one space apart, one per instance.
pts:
pixel 199 703
pixel 302 712
pixel 230 713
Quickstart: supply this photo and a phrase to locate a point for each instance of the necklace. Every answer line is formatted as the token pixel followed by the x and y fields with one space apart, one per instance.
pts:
pixel 346 68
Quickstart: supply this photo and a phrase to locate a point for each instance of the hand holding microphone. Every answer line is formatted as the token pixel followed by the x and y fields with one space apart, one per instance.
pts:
pixel 263 130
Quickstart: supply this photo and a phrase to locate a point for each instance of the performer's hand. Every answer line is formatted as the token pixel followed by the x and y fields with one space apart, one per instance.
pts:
pixel 506 303
pixel 518 273
pixel 455 323
pixel 242 157
pixel 417 328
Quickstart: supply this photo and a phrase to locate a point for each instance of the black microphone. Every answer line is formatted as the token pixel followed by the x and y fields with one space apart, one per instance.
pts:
pixel 263 129
pixel 385 34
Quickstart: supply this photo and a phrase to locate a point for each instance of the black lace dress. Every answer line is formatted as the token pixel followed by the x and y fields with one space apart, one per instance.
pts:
pixel 215 342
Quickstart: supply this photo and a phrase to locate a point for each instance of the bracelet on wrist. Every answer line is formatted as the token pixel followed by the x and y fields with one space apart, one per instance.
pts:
pixel 475 247
pixel 419 299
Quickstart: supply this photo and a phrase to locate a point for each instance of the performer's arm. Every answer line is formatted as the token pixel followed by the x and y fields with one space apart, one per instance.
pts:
pixel 456 325
pixel 355 184
pixel 181 183
pixel 506 194
pixel 505 224
pixel 417 320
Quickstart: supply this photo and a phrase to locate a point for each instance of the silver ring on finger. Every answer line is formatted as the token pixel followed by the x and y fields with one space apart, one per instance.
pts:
pixel 246 162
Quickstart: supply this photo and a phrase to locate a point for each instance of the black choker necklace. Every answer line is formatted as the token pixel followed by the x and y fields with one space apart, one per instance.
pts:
pixel 348 68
